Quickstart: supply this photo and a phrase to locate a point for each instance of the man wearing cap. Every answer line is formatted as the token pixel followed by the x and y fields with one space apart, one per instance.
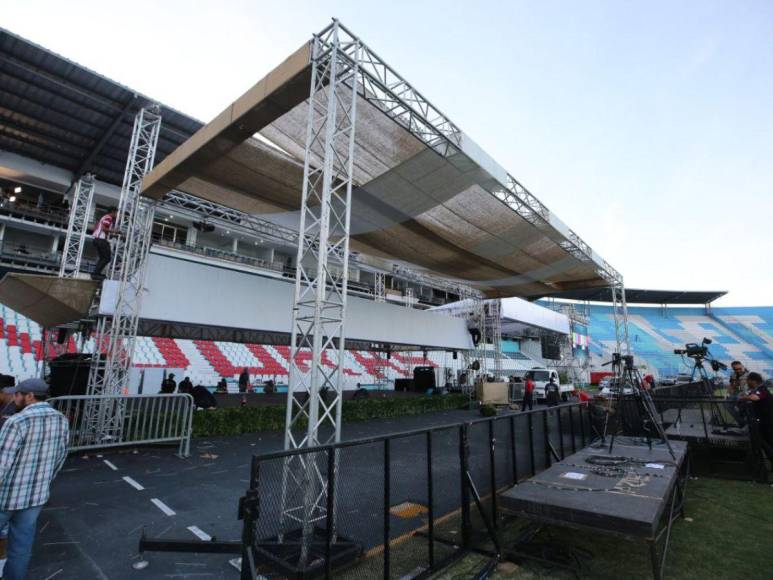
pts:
pixel 7 408
pixel 33 447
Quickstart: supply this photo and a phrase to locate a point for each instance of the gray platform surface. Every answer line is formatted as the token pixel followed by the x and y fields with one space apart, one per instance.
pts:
pixel 630 504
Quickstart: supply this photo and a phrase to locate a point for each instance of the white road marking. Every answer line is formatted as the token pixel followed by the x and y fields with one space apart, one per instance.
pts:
pixel 199 533
pixel 133 483
pixel 163 507
pixel 110 464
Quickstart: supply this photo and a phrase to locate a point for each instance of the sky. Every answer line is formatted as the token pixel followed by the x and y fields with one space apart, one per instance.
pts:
pixel 646 126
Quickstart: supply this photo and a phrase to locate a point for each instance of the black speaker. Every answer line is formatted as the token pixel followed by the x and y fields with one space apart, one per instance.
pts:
pixel 403 385
pixel 70 374
pixel 423 379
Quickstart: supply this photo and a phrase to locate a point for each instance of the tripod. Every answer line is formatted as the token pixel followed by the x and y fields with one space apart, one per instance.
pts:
pixel 627 374
pixel 698 370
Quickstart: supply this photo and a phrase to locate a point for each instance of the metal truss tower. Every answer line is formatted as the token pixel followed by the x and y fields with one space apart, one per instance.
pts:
pixel 620 316
pixel 494 327
pixel 379 290
pixel 116 334
pixel 319 306
pixel 75 241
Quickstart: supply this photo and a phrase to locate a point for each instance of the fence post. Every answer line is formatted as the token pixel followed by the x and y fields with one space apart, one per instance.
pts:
pixel 560 431
pixel 546 435
pixel 331 468
pixel 531 444
pixel 492 462
pixel 465 490
pixel 249 511
pixel 386 508
pixel 430 504
pixel 513 454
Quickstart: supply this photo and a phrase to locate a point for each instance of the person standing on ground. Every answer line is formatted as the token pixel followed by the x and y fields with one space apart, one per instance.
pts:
pixel 762 401
pixel 7 408
pixel 244 380
pixel 33 447
pixel 185 386
pixel 552 393
pixel 101 244
pixel 528 394
pixel 738 377
pixel 168 385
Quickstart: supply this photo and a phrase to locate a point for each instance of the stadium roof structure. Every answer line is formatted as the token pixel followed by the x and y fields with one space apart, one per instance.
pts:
pixel 60 113
pixel 641 296
pixel 425 193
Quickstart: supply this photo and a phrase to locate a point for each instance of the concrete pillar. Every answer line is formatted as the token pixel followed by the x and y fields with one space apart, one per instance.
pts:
pixel 191 236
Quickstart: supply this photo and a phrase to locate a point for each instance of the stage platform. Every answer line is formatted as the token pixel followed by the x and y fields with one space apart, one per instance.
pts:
pixel 634 493
pixel 695 425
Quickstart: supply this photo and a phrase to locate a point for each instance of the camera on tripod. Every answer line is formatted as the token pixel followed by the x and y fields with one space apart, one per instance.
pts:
pixel 694 350
pixel 700 352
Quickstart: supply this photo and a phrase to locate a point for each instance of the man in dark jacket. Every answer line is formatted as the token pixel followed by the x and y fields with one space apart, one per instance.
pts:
pixel 552 393
pixel 185 386
pixel 168 385
pixel 762 407
pixel 244 380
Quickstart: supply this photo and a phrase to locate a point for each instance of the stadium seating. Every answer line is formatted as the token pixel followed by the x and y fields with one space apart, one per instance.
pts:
pixel 744 334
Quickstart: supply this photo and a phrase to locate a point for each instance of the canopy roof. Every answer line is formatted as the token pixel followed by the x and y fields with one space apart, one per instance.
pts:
pixel 425 193
pixel 640 296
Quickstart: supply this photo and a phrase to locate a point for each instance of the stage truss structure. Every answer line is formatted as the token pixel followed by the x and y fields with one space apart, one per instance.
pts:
pixel 75 239
pixel 116 334
pixel 379 287
pixel 322 272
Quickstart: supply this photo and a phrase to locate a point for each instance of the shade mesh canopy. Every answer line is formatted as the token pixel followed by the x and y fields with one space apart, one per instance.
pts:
pixel 435 209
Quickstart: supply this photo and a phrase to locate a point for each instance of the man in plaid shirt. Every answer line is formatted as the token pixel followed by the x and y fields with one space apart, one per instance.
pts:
pixel 33 447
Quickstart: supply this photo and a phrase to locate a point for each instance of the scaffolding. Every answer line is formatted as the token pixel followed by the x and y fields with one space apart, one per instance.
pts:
pixel 379 287
pixel 494 327
pixel 319 304
pixel 116 333
pixel 80 214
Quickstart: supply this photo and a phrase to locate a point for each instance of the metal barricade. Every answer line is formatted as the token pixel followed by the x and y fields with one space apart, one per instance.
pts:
pixel 145 419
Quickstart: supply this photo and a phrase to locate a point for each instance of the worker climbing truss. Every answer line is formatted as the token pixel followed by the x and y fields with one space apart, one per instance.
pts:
pixel 116 332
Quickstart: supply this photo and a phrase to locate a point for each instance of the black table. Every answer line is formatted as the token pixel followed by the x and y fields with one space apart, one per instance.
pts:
pixel 635 493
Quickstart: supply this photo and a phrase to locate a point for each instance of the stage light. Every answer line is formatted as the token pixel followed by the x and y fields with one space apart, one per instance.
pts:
pixel 17 189
pixel 12 198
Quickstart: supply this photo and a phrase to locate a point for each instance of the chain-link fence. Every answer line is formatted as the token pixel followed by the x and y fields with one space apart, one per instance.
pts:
pixel 401 505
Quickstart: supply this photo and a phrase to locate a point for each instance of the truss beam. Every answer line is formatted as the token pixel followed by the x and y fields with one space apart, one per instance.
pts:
pixel 75 240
